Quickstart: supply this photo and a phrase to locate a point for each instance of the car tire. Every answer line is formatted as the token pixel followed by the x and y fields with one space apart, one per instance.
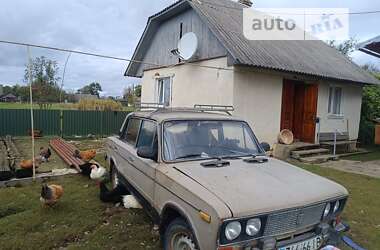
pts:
pixel 178 235
pixel 114 177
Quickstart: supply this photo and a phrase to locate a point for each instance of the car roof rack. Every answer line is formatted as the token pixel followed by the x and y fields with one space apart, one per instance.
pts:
pixel 216 108
pixel 157 107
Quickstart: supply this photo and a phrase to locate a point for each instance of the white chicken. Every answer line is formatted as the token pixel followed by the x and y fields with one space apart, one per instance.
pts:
pixel 129 201
pixel 97 172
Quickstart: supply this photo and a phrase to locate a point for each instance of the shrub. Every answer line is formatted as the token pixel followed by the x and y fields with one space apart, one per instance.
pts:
pixel 99 104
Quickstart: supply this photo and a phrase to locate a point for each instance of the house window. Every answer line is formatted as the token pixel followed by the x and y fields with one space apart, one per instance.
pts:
pixel 164 91
pixel 335 100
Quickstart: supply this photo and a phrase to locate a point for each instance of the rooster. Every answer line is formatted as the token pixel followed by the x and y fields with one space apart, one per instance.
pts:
pixel 86 156
pixel 45 154
pixel 50 194
pixel 28 164
pixel 112 196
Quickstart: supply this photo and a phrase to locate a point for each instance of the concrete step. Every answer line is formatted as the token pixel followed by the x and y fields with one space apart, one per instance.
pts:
pixel 338 143
pixel 309 152
pixel 304 146
pixel 318 159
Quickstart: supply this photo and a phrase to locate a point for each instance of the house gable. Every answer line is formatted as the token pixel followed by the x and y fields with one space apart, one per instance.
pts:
pixel 163 33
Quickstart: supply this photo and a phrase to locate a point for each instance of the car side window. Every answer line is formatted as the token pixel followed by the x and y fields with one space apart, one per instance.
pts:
pixel 132 131
pixel 147 134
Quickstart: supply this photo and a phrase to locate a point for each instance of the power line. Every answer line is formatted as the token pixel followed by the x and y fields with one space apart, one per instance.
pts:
pixel 110 57
pixel 76 52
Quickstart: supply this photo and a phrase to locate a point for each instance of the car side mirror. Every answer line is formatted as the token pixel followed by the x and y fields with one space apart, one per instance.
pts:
pixel 265 146
pixel 147 153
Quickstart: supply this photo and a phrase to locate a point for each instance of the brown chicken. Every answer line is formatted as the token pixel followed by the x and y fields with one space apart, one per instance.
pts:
pixel 50 194
pixel 28 164
pixel 45 154
pixel 86 156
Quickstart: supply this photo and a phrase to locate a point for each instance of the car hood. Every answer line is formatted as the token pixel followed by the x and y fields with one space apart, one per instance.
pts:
pixel 254 188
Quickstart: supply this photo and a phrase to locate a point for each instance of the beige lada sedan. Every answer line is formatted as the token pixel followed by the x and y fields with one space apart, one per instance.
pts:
pixel 206 181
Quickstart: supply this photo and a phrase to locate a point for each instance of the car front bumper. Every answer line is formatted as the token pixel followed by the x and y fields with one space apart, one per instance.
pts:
pixel 329 235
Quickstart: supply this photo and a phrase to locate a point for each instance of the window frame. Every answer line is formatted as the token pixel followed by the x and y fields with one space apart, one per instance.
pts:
pixel 170 78
pixel 126 129
pixel 331 101
pixel 155 132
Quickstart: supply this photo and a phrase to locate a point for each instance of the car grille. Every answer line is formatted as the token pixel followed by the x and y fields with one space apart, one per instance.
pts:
pixel 293 220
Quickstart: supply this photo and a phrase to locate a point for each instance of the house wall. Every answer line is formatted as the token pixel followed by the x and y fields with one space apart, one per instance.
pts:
pixel 258 98
pixel 167 36
pixel 350 108
pixel 192 85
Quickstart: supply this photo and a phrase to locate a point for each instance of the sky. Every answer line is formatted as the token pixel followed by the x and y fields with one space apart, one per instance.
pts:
pixel 114 27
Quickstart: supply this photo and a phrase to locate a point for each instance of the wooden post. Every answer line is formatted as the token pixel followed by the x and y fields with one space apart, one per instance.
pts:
pixel 31 108
pixel 61 123
pixel 377 134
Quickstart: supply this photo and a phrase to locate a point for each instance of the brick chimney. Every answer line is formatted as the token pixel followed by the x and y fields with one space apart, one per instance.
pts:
pixel 247 3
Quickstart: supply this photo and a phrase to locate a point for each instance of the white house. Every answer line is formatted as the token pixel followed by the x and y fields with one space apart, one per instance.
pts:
pixel 305 86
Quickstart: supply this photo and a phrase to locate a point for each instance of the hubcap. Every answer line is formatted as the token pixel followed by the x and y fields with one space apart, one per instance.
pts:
pixel 115 179
pixel 181 241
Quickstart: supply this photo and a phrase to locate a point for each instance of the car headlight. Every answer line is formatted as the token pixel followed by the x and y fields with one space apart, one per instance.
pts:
pixel 336 207
pixel 327 210
pixel 233 230
pixel 253 227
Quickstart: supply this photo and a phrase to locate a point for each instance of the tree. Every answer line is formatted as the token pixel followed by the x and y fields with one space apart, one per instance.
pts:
pixel 43 71
pixel 128 94
pixel 44 80
pixel 93 88
pixel 138 89
pixel 370 107
pixel 346 47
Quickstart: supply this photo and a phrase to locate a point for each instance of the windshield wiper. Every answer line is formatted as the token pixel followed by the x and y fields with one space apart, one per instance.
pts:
pixel 215 164
pixel 256 158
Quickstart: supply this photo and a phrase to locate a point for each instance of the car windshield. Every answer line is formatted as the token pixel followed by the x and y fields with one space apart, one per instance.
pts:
pixel 192 140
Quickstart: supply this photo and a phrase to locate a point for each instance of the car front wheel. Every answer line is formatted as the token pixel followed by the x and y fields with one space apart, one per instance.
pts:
pixel 179 236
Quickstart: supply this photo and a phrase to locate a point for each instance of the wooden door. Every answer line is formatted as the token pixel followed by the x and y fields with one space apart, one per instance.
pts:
pixel 299 102
pixel 310 113
pixel 287 109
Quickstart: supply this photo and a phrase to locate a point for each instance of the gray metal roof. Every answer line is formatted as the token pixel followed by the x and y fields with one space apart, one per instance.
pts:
pixel 225 20
pixel 371 47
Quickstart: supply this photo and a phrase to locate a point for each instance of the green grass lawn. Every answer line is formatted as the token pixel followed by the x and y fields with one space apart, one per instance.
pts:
pixel 372 156
pixel 54 106
pixel 11 105
pixel 363 208
pixel 79 221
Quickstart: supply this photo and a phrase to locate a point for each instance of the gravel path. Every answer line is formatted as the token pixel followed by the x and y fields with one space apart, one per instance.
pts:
pixel 370 168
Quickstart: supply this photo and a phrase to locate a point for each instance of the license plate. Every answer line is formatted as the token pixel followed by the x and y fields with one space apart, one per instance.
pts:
pixel 310 244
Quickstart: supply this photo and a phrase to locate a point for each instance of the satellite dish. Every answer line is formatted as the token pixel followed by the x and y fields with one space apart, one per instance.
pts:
pixel 187 46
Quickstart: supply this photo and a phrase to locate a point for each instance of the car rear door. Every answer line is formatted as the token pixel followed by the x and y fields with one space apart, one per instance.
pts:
pixel 140 173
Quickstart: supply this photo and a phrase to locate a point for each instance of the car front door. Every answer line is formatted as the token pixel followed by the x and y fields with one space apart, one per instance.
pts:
pixel 140 173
